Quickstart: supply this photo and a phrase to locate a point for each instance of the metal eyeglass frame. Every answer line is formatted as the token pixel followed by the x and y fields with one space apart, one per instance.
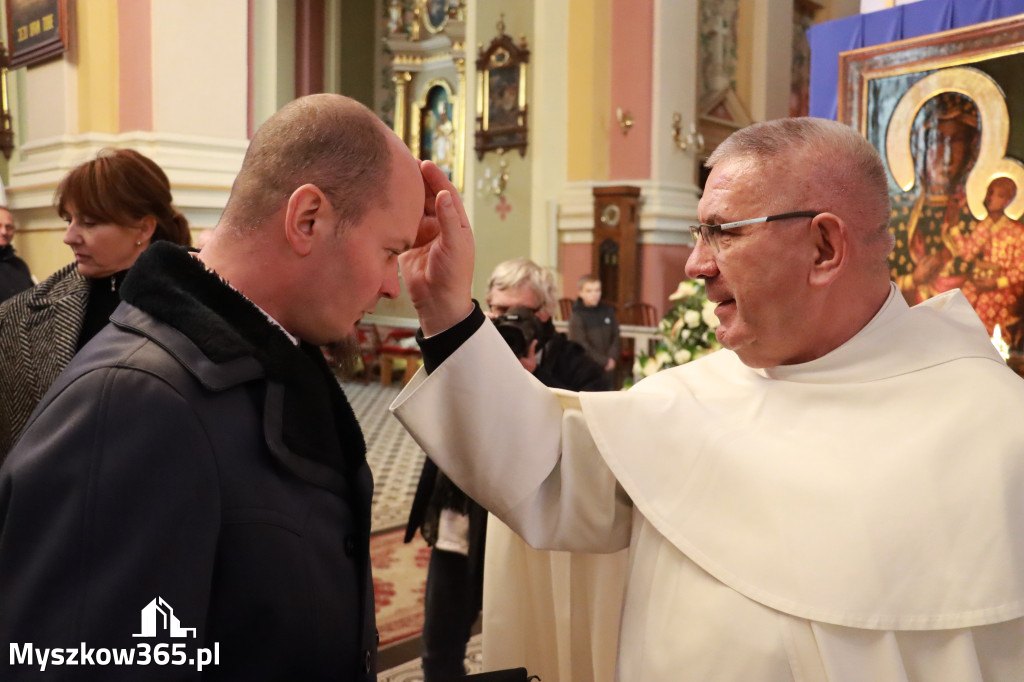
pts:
pixel 711 233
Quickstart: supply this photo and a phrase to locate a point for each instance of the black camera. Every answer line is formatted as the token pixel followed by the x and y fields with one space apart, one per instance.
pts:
pixel 519 327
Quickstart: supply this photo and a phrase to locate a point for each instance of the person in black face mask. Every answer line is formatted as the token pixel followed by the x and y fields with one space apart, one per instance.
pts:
pixel 520 298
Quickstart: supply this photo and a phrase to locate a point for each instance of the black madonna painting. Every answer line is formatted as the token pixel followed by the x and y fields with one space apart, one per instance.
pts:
pixel 946 113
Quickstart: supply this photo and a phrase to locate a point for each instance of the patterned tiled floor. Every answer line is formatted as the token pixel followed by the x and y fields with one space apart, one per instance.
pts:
pixel 394 457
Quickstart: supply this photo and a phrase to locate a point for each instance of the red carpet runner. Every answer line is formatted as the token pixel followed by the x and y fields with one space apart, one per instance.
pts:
pixel 399 579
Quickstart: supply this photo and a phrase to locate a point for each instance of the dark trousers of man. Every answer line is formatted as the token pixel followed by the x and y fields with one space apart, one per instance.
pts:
pixel 452 614
pixel 453 600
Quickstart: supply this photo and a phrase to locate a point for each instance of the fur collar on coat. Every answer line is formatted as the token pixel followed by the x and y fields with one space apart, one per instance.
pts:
pixel 177 289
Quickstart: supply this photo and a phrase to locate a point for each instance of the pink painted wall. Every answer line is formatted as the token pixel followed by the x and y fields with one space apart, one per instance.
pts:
pixel 135 65
pixel 576 261
pixel 632 72
pixel 662 269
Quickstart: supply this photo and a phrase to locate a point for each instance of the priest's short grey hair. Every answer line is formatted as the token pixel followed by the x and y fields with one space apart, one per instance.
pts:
pixel 515 272
pixel 845 167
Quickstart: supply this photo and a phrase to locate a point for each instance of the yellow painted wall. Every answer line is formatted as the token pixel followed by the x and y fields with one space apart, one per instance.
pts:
pixel 97 56
pixel 42 250
pixel 589 89
pixel 94 58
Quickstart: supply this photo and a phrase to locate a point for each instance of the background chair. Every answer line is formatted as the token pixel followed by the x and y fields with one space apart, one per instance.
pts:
pixel 564 308
pixel 639 314
pixel 399 346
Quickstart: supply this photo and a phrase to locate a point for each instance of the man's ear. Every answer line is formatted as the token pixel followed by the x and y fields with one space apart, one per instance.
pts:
pixel 303 216
pixel 832 249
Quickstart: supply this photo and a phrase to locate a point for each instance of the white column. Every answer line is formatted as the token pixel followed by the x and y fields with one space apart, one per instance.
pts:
pixel 772 64
pixel 671 201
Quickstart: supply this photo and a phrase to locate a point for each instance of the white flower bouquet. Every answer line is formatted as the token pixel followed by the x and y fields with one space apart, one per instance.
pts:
pixel 687 331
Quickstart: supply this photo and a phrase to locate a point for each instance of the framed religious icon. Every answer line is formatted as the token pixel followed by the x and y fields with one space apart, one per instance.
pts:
pixel 435 15
pixel 501 109
pixel 946 113
pixel 37 30
pixel 435 122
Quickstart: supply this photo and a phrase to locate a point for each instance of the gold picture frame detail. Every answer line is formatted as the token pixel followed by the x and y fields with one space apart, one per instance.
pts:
pixel 37 30
pixel 435 14
pixel 501 108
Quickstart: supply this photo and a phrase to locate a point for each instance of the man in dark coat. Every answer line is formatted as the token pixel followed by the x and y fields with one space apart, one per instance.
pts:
pixel 195 479
pixel 14 273
pixel 453 524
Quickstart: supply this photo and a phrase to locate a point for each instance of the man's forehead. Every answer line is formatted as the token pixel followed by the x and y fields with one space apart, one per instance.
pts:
pixel 730 181
pixel 751 187
pixel 519 295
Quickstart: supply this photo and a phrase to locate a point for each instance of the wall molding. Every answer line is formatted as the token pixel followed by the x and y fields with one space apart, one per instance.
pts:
pixel 666 212
pixel 201 171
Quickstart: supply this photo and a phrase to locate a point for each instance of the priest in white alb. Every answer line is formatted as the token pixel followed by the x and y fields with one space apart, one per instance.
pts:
pixel 838 495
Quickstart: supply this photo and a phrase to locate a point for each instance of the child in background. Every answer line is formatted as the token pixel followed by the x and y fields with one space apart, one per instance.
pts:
pixel 593 325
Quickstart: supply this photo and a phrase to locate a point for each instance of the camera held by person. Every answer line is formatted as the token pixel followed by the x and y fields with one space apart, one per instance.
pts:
pixel 520 327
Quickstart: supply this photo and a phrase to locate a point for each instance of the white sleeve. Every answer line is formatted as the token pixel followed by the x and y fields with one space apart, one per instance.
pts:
pixel 520 449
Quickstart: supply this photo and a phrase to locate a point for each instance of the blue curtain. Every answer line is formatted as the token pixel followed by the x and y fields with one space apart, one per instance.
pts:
pixel 906 21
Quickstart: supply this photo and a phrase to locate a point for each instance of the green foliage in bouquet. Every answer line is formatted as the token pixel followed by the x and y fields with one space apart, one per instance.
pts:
pixel 687 331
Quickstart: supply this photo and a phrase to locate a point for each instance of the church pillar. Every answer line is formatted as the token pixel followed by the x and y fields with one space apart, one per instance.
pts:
pixel 127 82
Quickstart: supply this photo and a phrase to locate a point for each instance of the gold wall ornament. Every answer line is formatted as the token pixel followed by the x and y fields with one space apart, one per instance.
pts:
pixel 694 140
pixel 625 120
pixel 994 119
pixel 494 184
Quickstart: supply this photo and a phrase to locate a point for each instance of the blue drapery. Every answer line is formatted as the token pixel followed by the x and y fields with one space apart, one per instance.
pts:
pixel 906 21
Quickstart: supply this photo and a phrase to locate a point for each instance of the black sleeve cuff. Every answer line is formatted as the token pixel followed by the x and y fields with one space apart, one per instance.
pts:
pixel 439 347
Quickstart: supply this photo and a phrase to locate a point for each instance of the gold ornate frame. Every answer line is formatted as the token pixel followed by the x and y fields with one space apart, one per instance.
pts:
pixel 433 20
pixel 502 121
pixel 416 127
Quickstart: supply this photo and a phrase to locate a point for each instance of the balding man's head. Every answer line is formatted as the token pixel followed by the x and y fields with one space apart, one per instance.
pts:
pixel 326 140
pixel 827 165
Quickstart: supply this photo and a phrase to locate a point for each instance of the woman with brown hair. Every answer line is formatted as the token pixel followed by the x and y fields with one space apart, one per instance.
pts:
pixel 115 205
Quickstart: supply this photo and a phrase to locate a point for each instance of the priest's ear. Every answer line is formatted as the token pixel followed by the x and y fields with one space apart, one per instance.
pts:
pixel 831 242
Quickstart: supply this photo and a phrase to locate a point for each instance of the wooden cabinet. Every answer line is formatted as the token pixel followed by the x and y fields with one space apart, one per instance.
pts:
pixel 616 253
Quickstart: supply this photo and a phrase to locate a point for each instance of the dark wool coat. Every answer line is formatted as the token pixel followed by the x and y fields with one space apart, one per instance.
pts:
pixel 14 274
pixel 192 453
pixel 596 329
pixel 39 331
